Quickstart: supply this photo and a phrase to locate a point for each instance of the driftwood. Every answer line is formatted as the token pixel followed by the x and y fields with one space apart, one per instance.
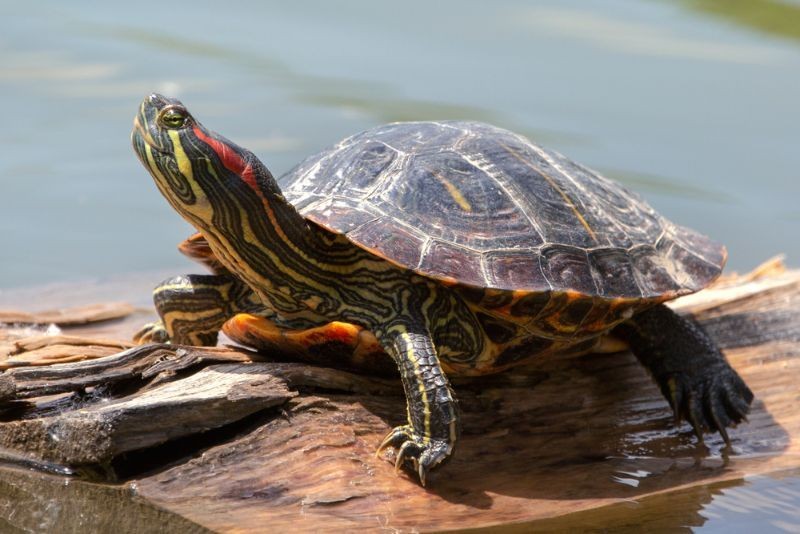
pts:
pixel 236 442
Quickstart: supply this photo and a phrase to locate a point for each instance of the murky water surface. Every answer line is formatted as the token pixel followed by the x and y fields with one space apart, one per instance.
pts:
pixel 692 103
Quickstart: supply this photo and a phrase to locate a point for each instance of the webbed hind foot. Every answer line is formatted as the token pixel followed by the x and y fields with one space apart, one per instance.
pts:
pixel 693 374
pixel 710 401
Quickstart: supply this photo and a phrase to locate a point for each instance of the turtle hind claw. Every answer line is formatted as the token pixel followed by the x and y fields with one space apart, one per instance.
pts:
pixel 713 402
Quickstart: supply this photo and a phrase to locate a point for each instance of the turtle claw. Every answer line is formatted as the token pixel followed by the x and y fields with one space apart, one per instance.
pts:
pixel 424 453
pixel 151 333
pixel 711 401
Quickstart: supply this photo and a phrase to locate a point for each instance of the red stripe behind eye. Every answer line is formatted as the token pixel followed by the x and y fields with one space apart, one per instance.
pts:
pixel 231 159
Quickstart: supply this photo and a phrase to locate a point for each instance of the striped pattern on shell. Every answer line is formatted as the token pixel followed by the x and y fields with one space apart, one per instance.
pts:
pixel 476 204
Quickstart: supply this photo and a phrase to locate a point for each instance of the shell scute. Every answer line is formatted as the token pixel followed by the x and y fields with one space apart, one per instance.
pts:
pixel 441 258
pixel 567 267
pixel 515 268
pixel 398 244
pixel 614 272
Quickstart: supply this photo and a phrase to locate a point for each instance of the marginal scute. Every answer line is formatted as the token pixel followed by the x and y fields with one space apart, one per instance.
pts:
pixel 442 258
pixel 652 271
pixel 540 222
pixel 568 267
pixel 396 243
pixel 518 268
pixel 692 267
pixel 614 272
pixel 496 299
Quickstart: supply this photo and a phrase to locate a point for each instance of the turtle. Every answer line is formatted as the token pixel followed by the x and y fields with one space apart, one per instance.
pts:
pixel 457 248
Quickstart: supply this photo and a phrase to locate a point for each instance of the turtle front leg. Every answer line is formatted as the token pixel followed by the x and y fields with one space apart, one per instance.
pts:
pixel 433 421
pixel 192 308
pixel 693 374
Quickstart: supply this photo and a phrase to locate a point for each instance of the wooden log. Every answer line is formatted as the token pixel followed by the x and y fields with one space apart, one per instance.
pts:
pixel 556 437
pixel 138 362
pixel 97 432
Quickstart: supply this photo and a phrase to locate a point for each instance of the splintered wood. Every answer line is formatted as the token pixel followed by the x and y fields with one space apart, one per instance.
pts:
pixel 559 436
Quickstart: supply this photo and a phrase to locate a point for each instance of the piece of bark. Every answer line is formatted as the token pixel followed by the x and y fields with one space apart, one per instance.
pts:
pixel 96 434
pixel 79 315
pixel 136 362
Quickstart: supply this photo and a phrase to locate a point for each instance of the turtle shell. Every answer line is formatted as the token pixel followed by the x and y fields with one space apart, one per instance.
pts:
pixel 470 203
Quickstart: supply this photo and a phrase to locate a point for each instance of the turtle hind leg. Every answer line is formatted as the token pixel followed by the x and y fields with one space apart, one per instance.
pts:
pixel 342 344
pixel 693 374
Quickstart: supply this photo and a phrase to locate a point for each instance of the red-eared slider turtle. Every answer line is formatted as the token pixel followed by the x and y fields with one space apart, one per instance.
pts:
pixel 457 247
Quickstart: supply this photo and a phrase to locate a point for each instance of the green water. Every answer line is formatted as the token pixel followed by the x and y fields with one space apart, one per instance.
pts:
pixel 692 103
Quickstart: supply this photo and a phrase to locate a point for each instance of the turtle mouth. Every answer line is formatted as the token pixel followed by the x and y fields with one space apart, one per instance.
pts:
pixel 145 122
pixel 141 135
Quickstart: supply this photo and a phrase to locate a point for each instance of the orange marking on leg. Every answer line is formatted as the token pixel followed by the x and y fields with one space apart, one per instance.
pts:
pixel 359 347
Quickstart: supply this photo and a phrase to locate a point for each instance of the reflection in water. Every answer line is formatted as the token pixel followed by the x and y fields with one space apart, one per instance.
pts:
pixel 34 502
pixel 757 504
pixel 760 501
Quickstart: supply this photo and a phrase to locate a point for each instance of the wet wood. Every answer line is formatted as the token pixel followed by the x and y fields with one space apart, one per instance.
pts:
pixel 560 436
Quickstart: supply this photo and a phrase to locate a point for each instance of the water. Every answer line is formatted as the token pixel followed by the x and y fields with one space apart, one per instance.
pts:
pixel 763 504
pixel 692 103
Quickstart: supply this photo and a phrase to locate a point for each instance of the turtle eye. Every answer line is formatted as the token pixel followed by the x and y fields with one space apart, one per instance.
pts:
pixel 172 118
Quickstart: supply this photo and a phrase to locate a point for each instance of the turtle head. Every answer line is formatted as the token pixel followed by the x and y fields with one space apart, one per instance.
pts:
pixel 222 190
pixel 199 172
pixel 159 116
